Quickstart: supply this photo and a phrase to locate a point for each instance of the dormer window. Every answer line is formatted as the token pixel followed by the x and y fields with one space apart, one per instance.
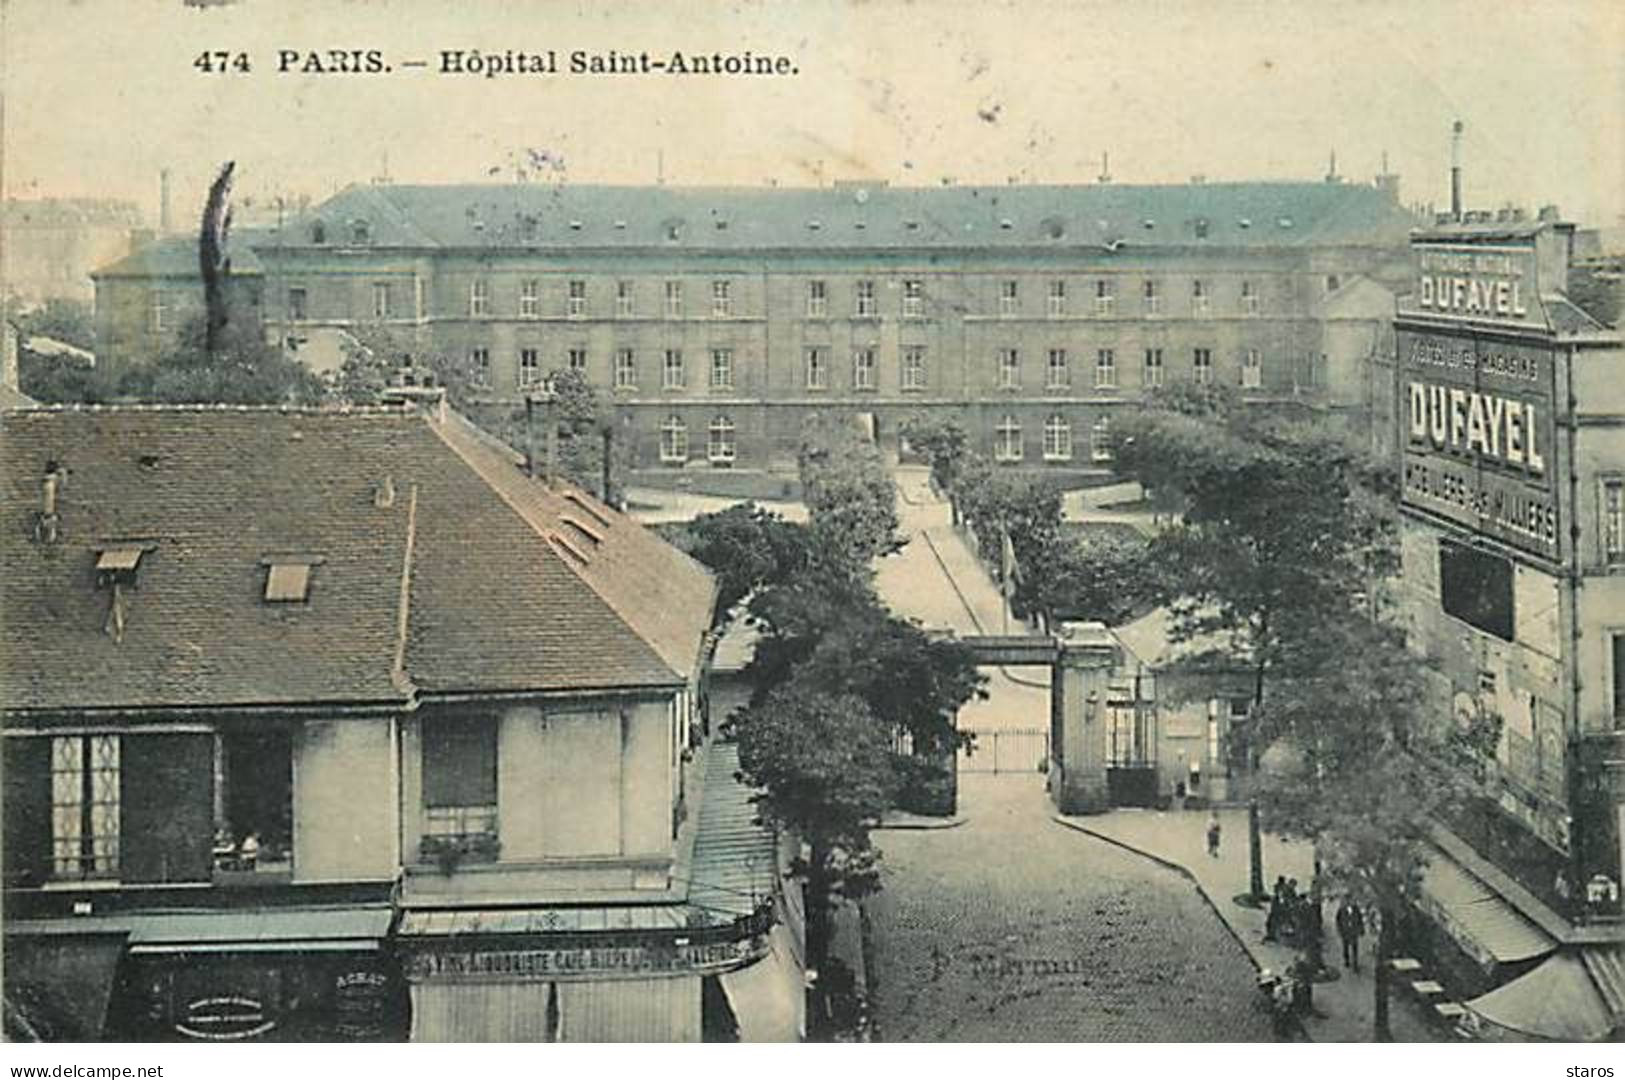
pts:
pixel 116 567
pixel 318 233
pixel 360 232
pixel 287 577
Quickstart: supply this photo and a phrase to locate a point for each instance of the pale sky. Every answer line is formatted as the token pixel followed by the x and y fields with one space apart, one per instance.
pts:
pixel 101 94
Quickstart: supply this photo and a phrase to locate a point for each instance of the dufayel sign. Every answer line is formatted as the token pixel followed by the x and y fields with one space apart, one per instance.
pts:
pixel 1478 283
pixel 1478 436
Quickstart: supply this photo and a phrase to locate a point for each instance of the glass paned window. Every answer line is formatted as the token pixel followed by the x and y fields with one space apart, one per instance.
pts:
pixel 914 367
pixel 1249 298
pixel 1153 368
pixel 530 298
pixel 380 300
pixel 1153 298
pixel 1009 369
pixel 1009 297
pixel 479 366
pixel 479 297
pixel 575 300
pixel 674 299
pixel 1613 520
pixel 530 367
pixel 623 299
pixel 674 440
pixel 1057 297
pixel 1105 369
pixel 1007 439
pixel 863 369
pixel 1199 297
pixel 1057 439
pixel 85 806
pixel 722 369
pixel 460 777
pixel 719 444
pixel 626 370
pixel 1252 370
pixel 1105 298
pixel 1057 371
pixel 671 372
pixel 913 299
pixel 1100 440
pixel 817 368
pixel 817 299
pixel 864 294
pixel 1202 365
pixel 722 303
pixel 576 359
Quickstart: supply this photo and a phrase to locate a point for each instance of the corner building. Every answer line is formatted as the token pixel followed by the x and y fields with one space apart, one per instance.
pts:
pixel 1510 429
pixel 716 318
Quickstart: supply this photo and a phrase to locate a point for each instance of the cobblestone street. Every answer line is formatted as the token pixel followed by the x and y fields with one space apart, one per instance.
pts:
pixel 1013 928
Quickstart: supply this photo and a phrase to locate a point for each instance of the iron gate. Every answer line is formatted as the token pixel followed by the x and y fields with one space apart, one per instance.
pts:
pixel 1006 750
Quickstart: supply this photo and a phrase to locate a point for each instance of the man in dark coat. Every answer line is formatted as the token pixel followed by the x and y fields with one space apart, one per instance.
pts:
pixel 1350 926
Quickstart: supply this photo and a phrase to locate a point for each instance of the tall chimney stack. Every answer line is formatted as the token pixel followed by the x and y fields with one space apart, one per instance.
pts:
pixel 1455 172
pixel 165 224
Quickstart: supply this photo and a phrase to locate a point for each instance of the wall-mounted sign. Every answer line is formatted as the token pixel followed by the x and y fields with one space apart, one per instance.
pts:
pixel 434 961
pixel 1478 435
pixel 1475 282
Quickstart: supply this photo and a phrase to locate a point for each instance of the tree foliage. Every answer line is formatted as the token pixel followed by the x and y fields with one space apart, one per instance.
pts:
pixel 943 442
pixel 748 548
pixel 60 318
pixel 1099 576
pixel 998 502
pixel 850 495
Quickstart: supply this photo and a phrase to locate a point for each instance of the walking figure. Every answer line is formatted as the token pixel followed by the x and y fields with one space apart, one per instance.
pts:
pixel 1213 835
pixel 1350 925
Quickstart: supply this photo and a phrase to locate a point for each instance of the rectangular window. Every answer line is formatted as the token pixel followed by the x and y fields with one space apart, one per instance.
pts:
pixel 1100 440
pixel 1009 369
pixel 1057 298
pixel 418 309
pixel 258 768
pixel 380 300
pixel 720 448
pixel 674 441
pixel 298 306
pixel 1617 643
pixel 575 300
pixel 671 372
pixel 1198 298
pixel 722 369
pixel 1007 440
pixel 576 359
pixel 1476 587
pixel 626 370
pixel 1105 298
pixel 722 303
pixel 1153 368
pixel 1202 365
pixel 1153 298
pixel 1057 373
pixel 863 369
pixel 1057 439
pixel 913 367
pixel 623 300
pixel 530 367
pixel 1249 299
pixel 1009 297
pixel 459 781
pixel 1105 369
pixel 817 300
pixel 913 299
pixel 530 298
pixel 1613 520
pixel 479 298
pixel 864 306
pixel 817 368
pixel 674 299
pixel 479 366
pixel 1252 370
pixel 85 806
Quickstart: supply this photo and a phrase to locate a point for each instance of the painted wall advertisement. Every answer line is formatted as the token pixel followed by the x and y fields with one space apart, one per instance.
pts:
pixel 1478 436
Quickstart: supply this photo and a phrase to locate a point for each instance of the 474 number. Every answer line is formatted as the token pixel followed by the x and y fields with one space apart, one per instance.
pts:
pixel 222 62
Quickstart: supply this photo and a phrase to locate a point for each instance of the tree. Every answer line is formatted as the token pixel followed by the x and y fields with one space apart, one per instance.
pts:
pixel 748 548
pixel 998 503
pixel 243 369
pixel 1366 771
pixel 213 262
pixel 945 445
pixel 1101 576
pixel 820 764
pixel 850 495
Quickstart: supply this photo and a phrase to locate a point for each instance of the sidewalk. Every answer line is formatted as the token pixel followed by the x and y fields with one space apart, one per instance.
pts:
pixel 1178 839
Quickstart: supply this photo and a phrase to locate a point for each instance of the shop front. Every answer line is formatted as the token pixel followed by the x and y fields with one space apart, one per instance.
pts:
pixel 632 974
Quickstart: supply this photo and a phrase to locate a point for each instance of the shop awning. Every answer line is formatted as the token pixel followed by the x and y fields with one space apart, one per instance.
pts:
pixel 294 930
pixel 1557 1001
pixel 1484 924
pixel 769 996
pixel 58 986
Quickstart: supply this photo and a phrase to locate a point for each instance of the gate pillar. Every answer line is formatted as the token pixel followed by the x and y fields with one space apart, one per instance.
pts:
pixel 1087 656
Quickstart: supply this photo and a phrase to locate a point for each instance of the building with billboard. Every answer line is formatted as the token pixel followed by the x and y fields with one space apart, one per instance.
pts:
pixel 1510 434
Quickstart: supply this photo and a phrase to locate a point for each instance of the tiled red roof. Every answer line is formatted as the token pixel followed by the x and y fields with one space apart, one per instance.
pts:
pixel 494 603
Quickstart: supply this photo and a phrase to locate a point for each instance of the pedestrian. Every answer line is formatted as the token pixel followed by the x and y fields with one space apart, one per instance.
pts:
pixel 1350 925
pixel 1213 835
pixel 1277 913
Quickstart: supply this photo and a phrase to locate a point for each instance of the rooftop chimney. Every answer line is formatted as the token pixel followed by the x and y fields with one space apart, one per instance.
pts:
pixel 1455 171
